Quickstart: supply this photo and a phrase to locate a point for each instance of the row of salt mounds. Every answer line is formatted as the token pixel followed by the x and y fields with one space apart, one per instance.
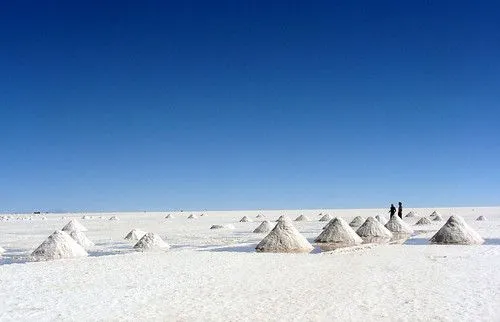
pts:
pixel 283 218
pixel 357 221
pixel 423 221
pixel 81 239
pixel 410 214
pixel 245 219
pixel 135 234
pixel 151 241
pixel 57 246
pixel 338 231
pixel 302 218
pixel 456 231
pixel 264 227
pixel 225 226
pixel 372 228
pixel 74 225
pixel 326 217
pixel 284 238
pixel 481 218
pixel 381 219
pixel 192 216
pixel 397 225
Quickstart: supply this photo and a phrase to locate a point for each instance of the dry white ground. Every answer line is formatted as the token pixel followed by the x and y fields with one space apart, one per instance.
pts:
pixel 215 275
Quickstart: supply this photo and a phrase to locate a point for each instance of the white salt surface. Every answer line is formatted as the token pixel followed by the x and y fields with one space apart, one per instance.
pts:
pixel 215 275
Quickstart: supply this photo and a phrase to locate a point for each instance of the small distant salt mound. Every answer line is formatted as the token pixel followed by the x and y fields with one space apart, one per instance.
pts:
pixel 284 238
pixel 338 231
pixel 81 239
pixel 135 234
pixel 381 219
pixel 357 221
pixel 326 217
pixel 410 214
pixel 226 226
pixel 456 231
pixel 434 213
pixel 264 227
pixel 202 215
pixel 397 225
pixel 245 219
pixel 260 216
pixel 58 245
pixel 151 241
pixel 169 216
pixel 86 217
pixel 74 225
pixel 113 218
pixel 302 218
pixel 192 216
pixel 481 218
pixel 423 221
pixel 372 228
pixel 282 218
pixel 43 218
pixel 437 217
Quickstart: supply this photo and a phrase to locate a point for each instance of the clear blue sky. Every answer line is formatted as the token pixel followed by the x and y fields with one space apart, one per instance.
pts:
pixel 150 105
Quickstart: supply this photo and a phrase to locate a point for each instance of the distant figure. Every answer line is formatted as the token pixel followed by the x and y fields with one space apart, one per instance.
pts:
pixel 400 210
pixel 393 210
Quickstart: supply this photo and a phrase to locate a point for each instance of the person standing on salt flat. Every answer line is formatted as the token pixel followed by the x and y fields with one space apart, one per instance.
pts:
pixel 400 210
pixel 392 211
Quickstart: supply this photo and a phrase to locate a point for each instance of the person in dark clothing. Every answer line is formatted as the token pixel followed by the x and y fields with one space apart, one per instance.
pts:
pixel 393 210
pixel 400 210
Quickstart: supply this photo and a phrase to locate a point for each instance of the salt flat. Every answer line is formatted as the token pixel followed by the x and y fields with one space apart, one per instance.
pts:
pixel 215 275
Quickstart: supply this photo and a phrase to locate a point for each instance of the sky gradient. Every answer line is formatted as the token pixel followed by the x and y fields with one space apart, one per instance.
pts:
pixel 248 105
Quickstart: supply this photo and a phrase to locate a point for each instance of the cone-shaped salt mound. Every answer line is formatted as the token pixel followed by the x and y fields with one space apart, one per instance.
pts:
pixel 283 217
pixel 434 213
pixel 58 245
pixel 372 228
pixel 357 221
pixel 397 225
pixel 437 217
pixel 135 234
pixel 192 216
pixel 169 216
pixel 423 221
pixel 74 225
pixel 81 239
pixel 302 218
pixel 410 214
pixel 338 231
pixel 264 227
pixel 151 241
pixel 245 219
pixel 259 216
pixel 381 219
pixel 113 218
pixel 284 238
pixel 228 226
pixel 326 217
pixel 481 218
pixel 456 231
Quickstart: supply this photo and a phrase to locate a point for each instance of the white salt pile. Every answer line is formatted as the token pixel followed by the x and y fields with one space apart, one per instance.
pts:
pixel 423 221
pixel 357 221
pixel 245 219
pixel 437 217
pixel 282 218
pixel 151 241
pixel 226 226
pixel 372 228
pixel 264 227
pixel 397 225
pixel 135 234
pixel 58 245
pixel 434 213
pixel 86 217
pixel 284 238
pixel 480 218
pixel 169 216
pixel 410 214
pixel 326 217
pixel 302 218
pixel 338 231
pixel 260 216
pixel 192 216
pixel 381 219
pixel 456 231
pixel 74 225
pixel 113 218
pixel 81 239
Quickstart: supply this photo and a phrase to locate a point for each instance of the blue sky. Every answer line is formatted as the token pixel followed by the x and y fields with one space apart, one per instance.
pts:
pixel 248 105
